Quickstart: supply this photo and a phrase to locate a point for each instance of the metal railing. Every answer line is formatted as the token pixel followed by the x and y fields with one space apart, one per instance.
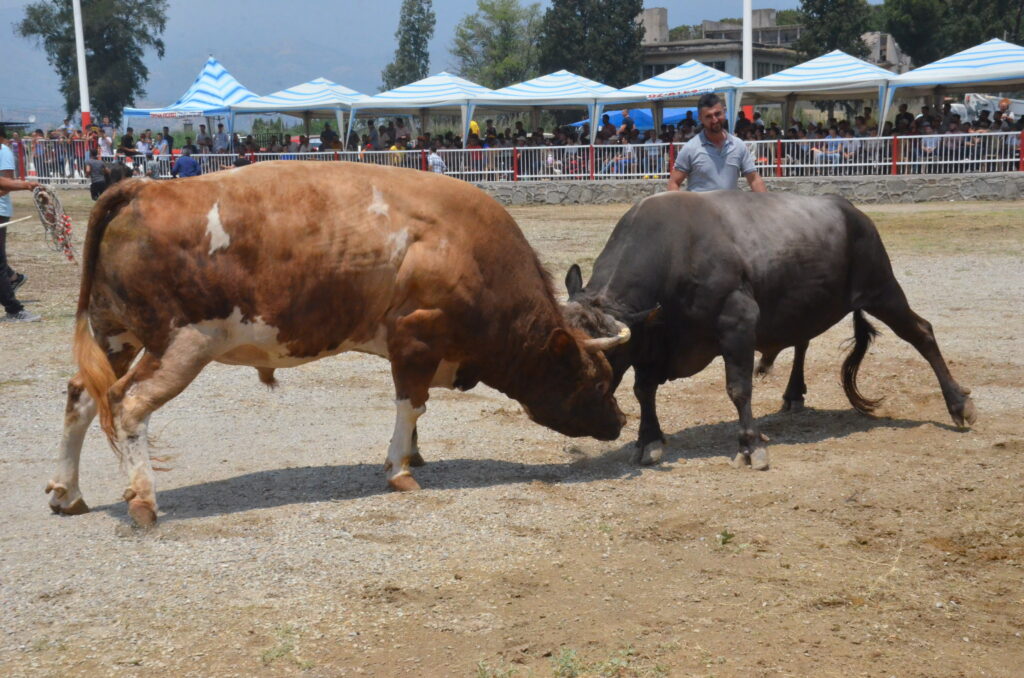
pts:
pixel 63 161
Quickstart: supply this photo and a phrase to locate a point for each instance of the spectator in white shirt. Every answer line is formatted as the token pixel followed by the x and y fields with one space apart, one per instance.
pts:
pixel 435 162
pixel 220 139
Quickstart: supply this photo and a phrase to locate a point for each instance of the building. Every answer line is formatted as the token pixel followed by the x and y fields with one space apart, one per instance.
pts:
pixel 884 52
pixel 720 47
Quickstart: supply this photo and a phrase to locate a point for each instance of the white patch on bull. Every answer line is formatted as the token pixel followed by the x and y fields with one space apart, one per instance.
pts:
pixel 219 239
pixel 444 377
pixel 377 204
pixel 236 341
pixel 117 342
pixel 399 242
pixel 401 441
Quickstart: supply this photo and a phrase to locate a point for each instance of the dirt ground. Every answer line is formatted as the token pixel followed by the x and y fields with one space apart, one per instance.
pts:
pixel 887 546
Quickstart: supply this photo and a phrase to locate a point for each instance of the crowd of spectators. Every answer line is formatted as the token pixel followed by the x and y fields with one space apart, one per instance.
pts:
pixel 843 146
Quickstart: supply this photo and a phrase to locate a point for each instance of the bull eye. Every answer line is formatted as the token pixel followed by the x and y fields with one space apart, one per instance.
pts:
pixel 602 388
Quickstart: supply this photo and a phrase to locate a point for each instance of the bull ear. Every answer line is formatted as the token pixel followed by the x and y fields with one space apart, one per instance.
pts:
pixel 561 343
pixel 574 280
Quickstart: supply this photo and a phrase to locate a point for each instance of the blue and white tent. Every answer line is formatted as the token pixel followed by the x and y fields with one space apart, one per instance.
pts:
pixel 440 92
pixel 561 89
pixel 213 93
pixel 687 82
pixel 318 98
pixel 835 75
pixel 992 65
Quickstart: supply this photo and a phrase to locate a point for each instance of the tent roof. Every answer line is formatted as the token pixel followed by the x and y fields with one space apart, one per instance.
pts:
pixel 688 81
pixel 995 63
pixel 212 92
pixel 442 90
pixel 316 96
pixel 833 75
pixel 561 88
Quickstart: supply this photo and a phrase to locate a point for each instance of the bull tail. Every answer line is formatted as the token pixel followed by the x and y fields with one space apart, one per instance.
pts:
pixel 93 364
pixel 863 334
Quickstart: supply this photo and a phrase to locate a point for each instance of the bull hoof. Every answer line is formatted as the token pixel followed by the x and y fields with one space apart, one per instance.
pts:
pixel 142 513
pixel 967 415
pixel 403 483
pixel 741 460
pixel 75 508
pixel 416 460
pixel 792 406
pixel 64 503
pixel 651 453
pixel 759 459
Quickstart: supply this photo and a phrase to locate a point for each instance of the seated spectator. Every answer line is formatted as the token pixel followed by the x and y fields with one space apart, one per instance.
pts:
pixel 185 165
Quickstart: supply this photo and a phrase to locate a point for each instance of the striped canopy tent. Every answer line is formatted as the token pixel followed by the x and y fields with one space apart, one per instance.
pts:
pixel 559 90
pixel 991 66
pixel 213 93
pixel 682 84
pixel 442 92
pixel 835 75
pixel 318 98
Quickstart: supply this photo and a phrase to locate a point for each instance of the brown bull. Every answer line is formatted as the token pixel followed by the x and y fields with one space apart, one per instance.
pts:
pixel 282 263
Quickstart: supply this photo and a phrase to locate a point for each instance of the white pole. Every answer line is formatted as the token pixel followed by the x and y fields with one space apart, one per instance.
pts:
pixel 748 40
pixel 83 79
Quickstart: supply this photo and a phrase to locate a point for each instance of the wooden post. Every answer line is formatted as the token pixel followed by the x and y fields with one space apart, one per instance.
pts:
pixel 591 161
pixel 423 159
pixel 1020 152
pixel 515 164
pixel 778 157
pixel 895 154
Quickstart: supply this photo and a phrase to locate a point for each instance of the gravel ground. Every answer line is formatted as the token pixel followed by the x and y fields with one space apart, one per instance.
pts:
pixel 889 546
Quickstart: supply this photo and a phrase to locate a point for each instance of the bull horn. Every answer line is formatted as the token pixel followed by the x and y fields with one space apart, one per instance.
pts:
pixel 605 343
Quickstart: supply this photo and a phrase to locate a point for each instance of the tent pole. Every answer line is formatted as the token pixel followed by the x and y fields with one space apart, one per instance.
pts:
pixel 425 120
pixel 305 123
pixel 595 118
pixel 339 118
pixel 787 111
pixel 658 114
pixel 534 118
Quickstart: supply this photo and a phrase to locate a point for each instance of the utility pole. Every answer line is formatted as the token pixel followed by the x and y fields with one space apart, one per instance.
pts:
pixel 748 40
pixel 83 79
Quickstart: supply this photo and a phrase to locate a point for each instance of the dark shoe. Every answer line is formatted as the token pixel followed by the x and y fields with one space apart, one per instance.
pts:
pixel 23 316
pixel 18 281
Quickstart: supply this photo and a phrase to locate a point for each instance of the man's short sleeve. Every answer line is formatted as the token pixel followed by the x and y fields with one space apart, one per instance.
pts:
pixel 746 160
pixel 7 159
pixel 684 159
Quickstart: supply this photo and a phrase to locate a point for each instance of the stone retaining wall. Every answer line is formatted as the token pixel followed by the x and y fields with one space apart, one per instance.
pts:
pixel 875 189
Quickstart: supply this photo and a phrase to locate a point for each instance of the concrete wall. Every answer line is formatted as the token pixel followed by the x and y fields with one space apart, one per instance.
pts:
pixel 878 189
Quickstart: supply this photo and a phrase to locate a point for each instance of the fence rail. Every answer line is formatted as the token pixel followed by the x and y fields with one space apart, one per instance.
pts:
pixel 63 162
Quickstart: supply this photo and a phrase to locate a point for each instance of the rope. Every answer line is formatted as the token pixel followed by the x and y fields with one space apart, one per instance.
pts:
pixel 56 224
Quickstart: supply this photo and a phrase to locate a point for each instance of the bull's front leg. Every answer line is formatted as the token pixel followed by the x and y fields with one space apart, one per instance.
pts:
pixel 651 443
pixel 793 398
pixel 737 334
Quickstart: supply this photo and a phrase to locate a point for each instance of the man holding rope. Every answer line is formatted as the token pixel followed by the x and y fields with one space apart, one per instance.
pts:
pixel 9 280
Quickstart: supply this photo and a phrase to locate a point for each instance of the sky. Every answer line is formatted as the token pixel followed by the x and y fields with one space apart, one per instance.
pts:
pixel 269 47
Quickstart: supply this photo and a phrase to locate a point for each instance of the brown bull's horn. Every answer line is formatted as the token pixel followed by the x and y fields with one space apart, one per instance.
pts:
pixel 605 343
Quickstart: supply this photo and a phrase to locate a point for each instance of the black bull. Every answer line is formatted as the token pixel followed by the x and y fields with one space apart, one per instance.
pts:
pixel 696 276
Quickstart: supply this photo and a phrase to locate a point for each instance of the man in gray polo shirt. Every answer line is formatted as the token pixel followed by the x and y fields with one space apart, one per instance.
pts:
pixel 714 159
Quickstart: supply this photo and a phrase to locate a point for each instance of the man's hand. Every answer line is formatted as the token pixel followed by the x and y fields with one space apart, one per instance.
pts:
pixel 756 183
pixel 676 178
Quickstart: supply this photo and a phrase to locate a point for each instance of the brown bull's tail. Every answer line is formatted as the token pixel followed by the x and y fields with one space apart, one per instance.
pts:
pixel 93 364
pixel 863 334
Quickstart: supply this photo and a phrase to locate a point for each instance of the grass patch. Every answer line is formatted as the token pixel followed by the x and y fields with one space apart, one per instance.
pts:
pixel 284 650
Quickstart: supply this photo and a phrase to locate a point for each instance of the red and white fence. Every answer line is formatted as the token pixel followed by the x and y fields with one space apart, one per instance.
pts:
pixel 63 162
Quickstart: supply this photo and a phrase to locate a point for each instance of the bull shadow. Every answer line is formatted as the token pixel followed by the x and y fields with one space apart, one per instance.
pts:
pixel 313 484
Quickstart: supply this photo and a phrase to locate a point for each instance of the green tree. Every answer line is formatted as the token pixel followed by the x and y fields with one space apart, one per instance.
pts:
pixel 598 39
pixel 977 21
pixel 917 27
pixel 117 34
pixel 833 24
pixel 788 17
pixel 694 32
pixel 497 45
pixel 412 58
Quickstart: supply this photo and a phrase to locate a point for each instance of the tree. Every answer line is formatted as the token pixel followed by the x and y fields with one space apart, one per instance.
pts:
pixel 833 24
pixel 917 27
pixel 928 30
pixel 497 46
pixel 598 39
pixel 694 32
pixel 788 17
pixel 117 34
pixel 977 21
pixel 412 58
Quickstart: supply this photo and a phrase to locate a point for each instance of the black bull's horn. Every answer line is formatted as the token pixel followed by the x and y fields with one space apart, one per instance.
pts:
pixel 605 343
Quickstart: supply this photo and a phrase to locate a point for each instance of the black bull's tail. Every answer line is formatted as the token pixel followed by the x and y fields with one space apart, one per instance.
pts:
pixel 863 334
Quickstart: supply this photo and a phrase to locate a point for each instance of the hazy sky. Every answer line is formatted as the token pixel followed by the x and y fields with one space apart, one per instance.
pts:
pixel 269 47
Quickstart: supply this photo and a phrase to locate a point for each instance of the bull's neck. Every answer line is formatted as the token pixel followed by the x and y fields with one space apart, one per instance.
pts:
pixel 521 364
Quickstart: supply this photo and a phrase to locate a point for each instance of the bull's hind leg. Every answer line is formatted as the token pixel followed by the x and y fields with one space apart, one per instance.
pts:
pixel 793 398
pixel 148 385
pixel 65 494
pixel 737 332
pixel 892 309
